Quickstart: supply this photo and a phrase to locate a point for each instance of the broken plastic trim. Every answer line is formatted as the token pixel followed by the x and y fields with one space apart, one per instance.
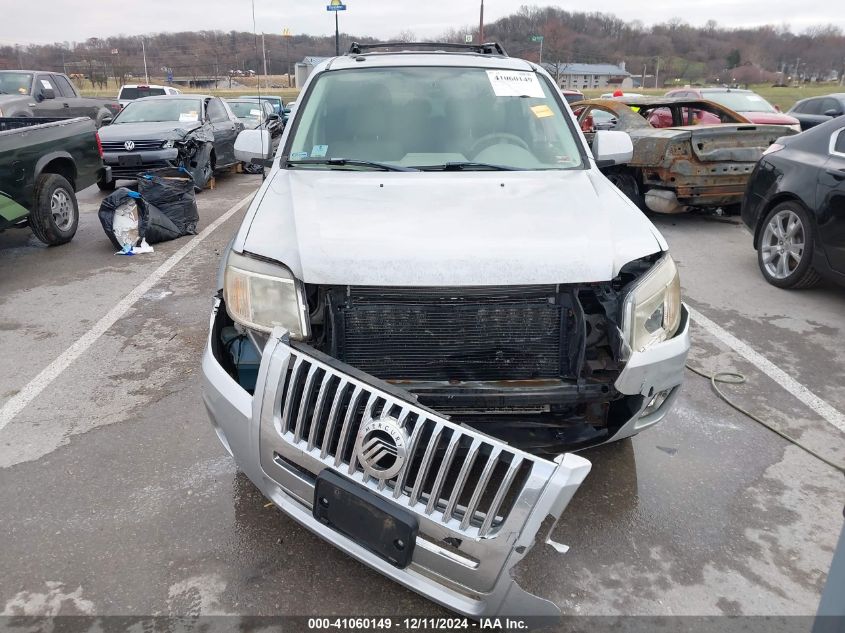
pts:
pixel 284 423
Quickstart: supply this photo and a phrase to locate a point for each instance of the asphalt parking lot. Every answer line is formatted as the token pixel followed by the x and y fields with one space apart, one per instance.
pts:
pixel 118 498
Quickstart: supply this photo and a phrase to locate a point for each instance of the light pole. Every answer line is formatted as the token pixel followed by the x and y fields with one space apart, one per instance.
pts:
pixel 336 5
pixel 539 38
pixel 481 24
pixel 144 49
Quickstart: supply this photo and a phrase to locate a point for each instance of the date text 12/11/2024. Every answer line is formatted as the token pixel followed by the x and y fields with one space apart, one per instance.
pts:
pixel 417 624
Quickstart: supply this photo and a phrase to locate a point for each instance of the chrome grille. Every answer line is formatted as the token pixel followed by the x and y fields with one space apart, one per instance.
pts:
pixel 140 146
pixel 452 474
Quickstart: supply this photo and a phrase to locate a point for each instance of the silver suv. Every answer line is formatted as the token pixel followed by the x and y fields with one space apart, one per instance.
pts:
pixel 433 299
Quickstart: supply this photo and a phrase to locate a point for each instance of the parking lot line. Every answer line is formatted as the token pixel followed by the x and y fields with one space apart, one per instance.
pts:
pixel 821 407
pixel 30 391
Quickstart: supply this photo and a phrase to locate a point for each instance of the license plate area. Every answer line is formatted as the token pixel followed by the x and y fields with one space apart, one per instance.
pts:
pixel 129 160
pixel 387 530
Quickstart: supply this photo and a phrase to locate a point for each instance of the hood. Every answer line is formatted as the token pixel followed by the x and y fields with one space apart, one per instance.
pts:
pixel 446 229
pixel 152 130
pixel 770 118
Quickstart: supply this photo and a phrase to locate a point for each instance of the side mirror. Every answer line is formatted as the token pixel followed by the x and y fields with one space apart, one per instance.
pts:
pixel 254 146
pixel 274 117
pixel 612 148
pixel 777 108
pixel 833 112
pixel 48 93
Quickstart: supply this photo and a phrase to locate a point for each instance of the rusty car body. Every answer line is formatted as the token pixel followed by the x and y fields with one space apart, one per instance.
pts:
pixel 687 152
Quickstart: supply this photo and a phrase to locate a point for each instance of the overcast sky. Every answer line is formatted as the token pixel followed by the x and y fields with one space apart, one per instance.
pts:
pixel 75 20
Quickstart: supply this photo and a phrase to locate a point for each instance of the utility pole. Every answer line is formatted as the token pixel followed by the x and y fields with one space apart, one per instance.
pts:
pixel 264 55
pixel 657 72
pixel 481 25
pixel 144 49
pixel 642 81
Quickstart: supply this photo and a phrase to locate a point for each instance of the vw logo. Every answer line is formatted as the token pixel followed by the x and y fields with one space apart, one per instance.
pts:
pixel 381 446
pixel 129 145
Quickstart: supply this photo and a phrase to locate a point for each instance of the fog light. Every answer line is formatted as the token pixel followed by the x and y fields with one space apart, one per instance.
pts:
pixel 656 402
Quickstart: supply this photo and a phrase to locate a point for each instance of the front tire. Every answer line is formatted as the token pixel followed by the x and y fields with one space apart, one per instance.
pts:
pixel 55 214
pixel 785 251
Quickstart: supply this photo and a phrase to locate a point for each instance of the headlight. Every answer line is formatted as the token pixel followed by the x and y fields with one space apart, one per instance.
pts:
pixel 261 296
pixel 167 144
pixel 652 309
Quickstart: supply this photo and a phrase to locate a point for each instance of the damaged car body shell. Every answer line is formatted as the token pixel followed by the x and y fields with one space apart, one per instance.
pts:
pixel 444 359
pixel 687 153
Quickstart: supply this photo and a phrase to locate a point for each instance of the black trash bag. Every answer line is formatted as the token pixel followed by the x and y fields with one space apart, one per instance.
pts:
pixel 153 225
pixel 172 191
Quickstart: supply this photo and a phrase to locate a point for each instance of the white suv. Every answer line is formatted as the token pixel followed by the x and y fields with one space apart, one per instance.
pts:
pixel 434 297
pixel 129 92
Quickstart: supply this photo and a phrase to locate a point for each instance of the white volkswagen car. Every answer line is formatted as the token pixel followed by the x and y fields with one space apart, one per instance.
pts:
pixel 433 300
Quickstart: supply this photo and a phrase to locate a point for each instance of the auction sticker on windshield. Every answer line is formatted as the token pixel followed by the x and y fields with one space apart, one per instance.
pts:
pixel 515 83
pixel 188 117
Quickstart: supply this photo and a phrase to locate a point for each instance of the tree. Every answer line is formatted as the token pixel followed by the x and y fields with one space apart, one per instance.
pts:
pixel 734 58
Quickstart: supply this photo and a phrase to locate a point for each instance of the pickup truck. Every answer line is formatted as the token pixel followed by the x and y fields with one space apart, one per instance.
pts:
pixel 43 163
pixel 36 93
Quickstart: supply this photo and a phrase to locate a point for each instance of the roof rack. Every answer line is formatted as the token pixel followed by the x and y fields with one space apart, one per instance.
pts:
pixel 488 48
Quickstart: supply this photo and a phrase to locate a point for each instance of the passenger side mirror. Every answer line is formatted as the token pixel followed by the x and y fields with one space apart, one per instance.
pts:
pixel 833 112
pixel 48 93
pixel 776 107
pixel 612 148
pixel 255 147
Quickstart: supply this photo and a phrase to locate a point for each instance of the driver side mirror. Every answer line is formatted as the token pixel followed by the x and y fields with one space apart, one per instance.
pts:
pixel 612 148
pixel 776 107
pixel 254 147
pixel 833 112
pixel 48 93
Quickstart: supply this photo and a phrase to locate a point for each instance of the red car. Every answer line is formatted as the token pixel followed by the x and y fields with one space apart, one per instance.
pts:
pixel 572 96
pixel 749 104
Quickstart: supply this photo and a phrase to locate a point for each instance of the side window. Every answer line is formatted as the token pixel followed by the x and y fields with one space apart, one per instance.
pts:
pixel 813 106
pixel 840 143
pixel 215 111
pixel 829 104
pixel 63 86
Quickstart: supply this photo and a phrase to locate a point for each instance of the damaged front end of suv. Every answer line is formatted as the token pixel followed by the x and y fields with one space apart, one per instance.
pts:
pixel 403 362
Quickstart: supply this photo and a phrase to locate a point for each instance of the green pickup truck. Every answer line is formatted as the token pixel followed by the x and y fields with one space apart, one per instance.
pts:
pixel 43 163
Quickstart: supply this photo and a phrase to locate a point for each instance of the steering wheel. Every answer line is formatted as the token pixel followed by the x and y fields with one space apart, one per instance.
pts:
pixel 485 141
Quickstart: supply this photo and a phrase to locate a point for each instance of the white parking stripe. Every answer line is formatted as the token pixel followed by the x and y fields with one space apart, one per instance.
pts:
pixel 823 408
pixel 30 391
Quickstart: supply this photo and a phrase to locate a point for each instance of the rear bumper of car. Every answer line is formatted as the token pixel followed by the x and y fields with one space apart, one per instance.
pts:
pixel 307 416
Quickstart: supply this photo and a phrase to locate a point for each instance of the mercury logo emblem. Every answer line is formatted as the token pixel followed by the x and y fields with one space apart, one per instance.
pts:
pixel 129 145
pixel 381 446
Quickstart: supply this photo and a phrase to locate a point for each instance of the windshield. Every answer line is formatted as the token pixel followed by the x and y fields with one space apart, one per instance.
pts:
pixel 430 117
pixel 15 83
pixel 246 109
pixel 176 110
pixel 140 92
pixel 740 101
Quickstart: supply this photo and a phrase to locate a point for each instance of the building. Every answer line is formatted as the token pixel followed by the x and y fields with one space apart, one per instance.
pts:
pixel 304 68
pixel 575 76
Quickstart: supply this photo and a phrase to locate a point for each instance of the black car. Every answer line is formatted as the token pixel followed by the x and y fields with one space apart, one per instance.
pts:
pixel 795 207
pixel 197 132
pixel 815 110
pixel 255 114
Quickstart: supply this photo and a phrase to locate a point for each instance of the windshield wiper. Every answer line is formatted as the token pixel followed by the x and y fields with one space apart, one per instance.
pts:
pixel 353 162
pixel 469 166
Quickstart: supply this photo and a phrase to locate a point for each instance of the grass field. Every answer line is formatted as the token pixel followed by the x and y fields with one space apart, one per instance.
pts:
pixel 782 97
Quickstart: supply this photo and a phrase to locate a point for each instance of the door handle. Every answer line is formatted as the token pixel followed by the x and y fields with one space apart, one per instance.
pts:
pixel 65 105
pixel 839 174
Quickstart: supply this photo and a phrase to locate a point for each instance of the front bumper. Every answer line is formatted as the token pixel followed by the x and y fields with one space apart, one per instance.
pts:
pixel 149 160
pixel 471 534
